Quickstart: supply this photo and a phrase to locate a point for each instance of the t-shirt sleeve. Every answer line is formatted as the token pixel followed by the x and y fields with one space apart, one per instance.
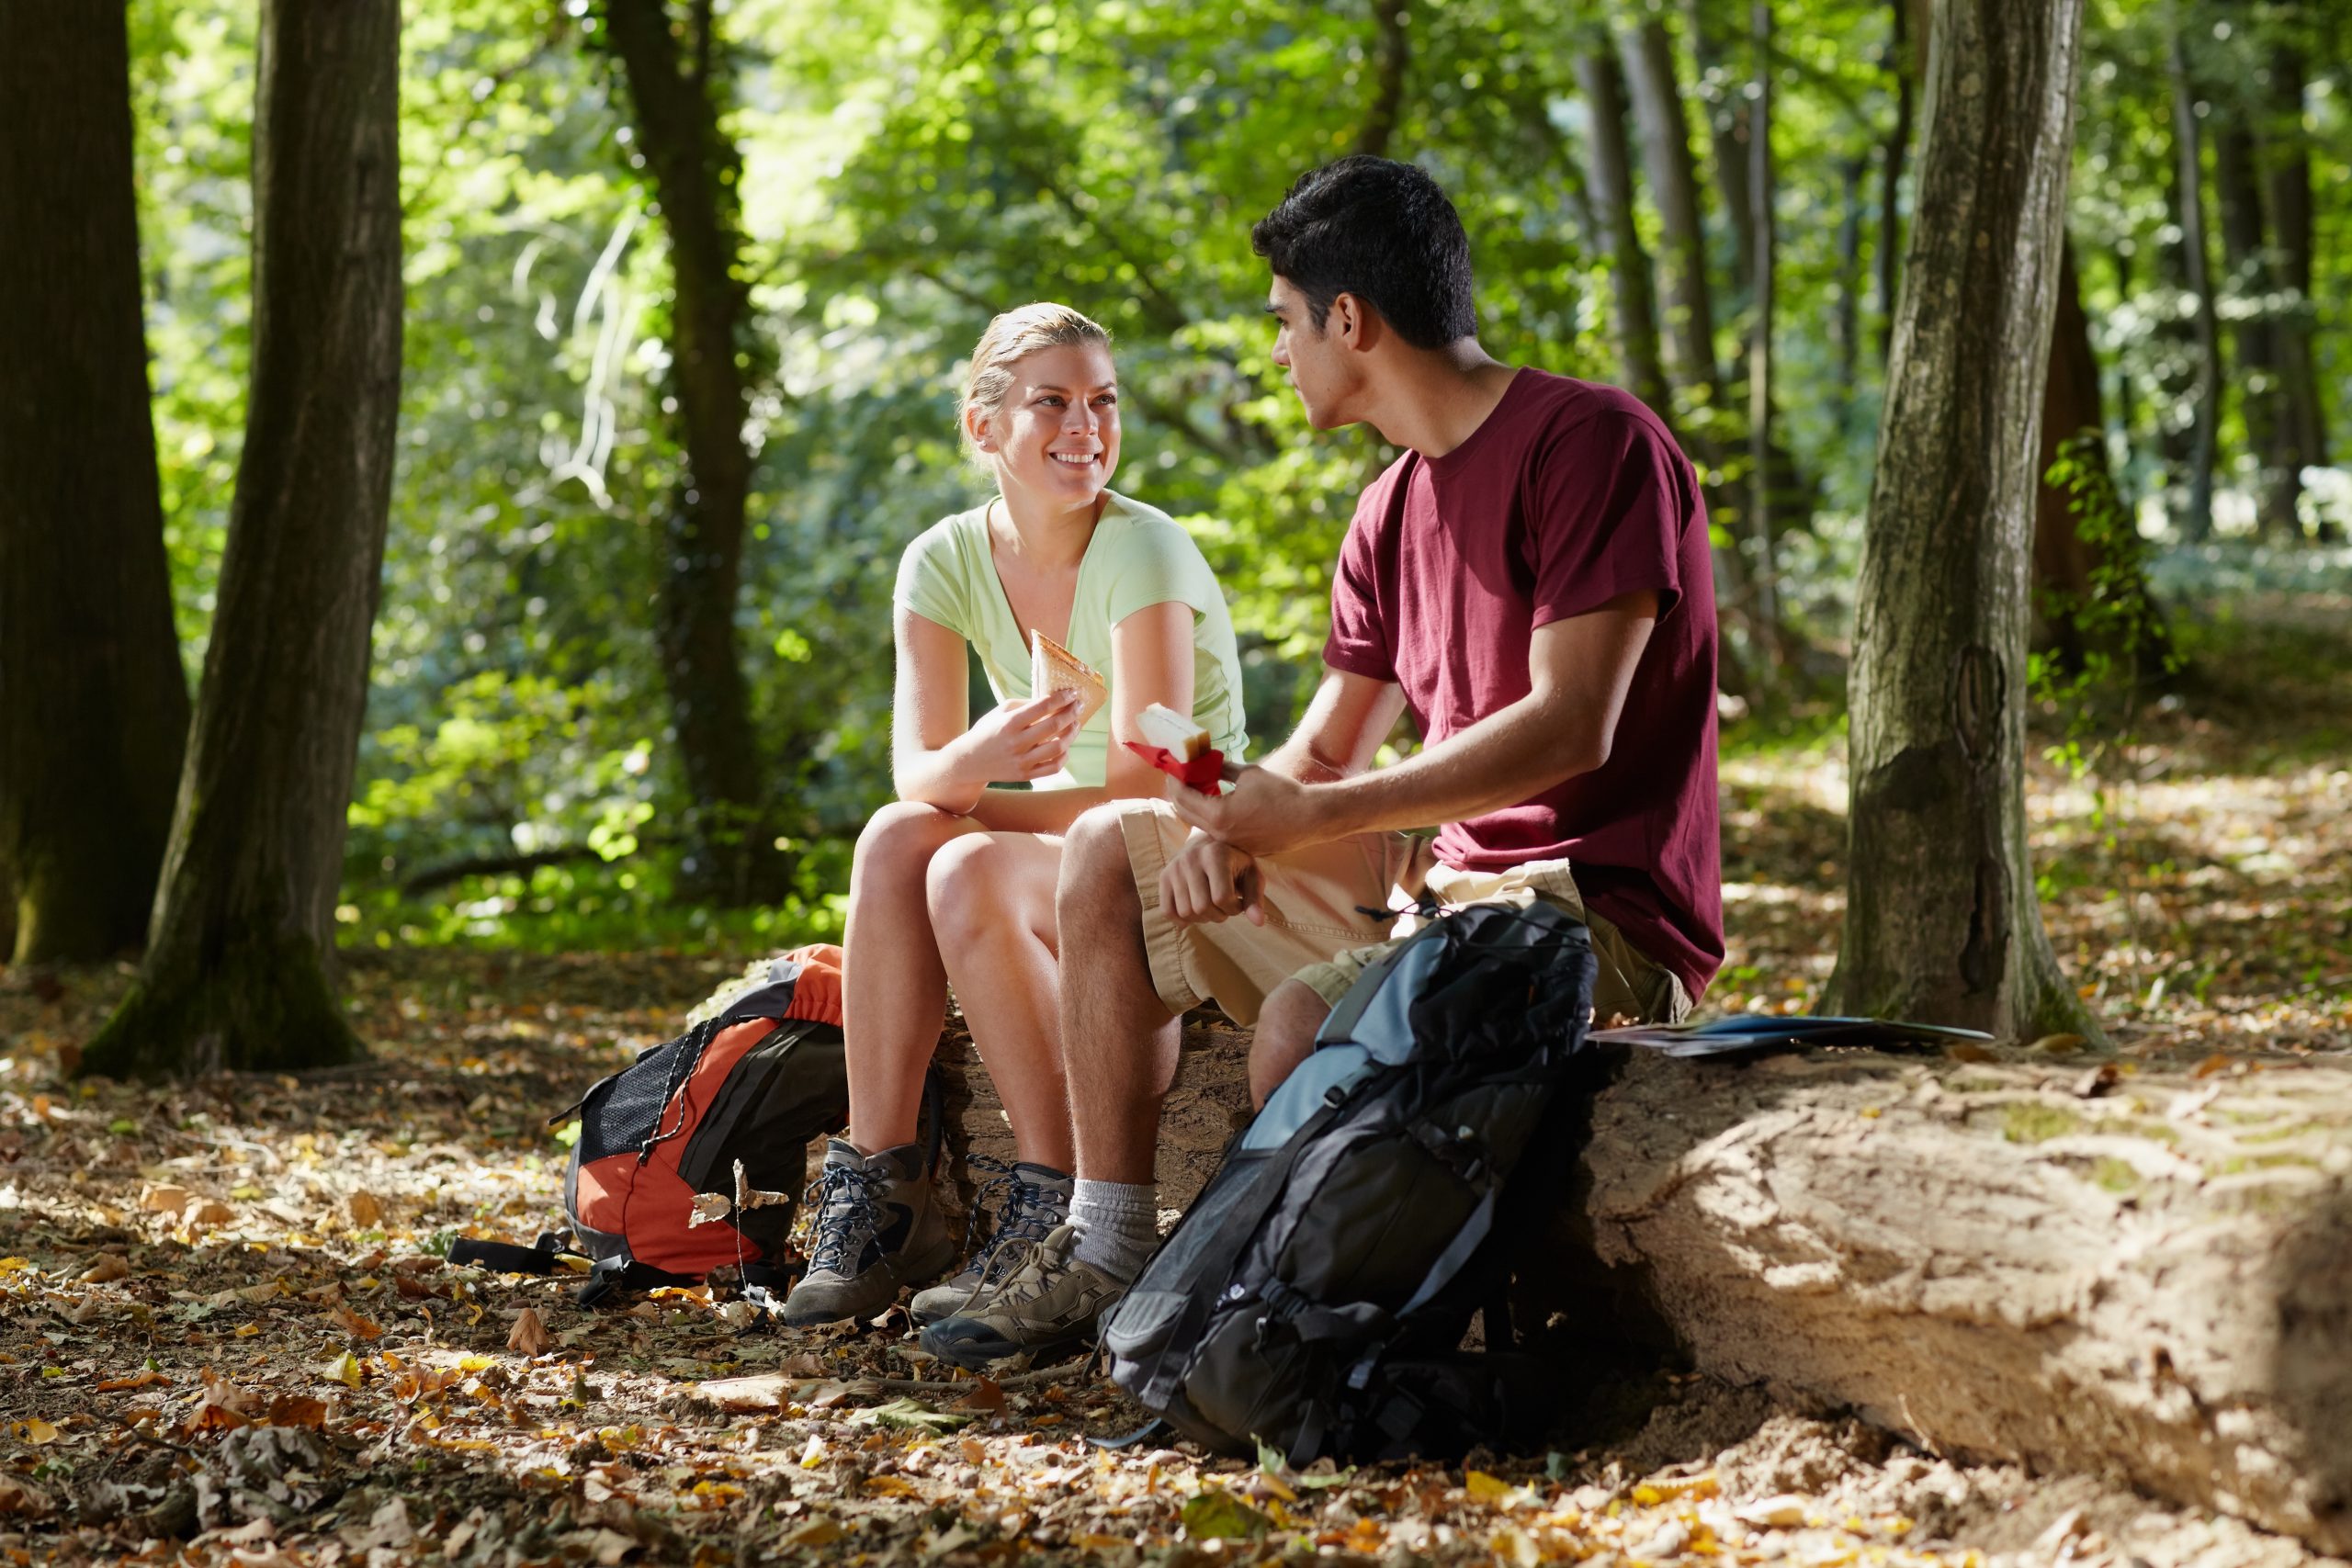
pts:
pixel 1359 642
pixel 1159 564
pixel 1610 504
pixel 929 583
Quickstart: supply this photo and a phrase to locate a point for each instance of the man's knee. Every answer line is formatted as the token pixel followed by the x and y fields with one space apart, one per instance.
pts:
pixel 1285 1036
pixel 1096 874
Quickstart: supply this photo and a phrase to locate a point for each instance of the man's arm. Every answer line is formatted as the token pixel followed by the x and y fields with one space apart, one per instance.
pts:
pixel 1579 672
pixel 1347 719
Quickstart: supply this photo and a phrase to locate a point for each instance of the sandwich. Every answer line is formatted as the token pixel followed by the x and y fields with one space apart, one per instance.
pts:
pixel 1163 726
pixel 1053 668
pixel 1179 748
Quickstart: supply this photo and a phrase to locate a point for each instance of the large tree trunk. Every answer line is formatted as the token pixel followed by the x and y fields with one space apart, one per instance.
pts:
pixel 2188 192
pixel 2016 1259
pixel 1941 919
pixel 1609 174
pixel 93 702
pixel 673 88
pixel 1395 52
pixel 236 973
pixel 1665 156
pixel 1906 57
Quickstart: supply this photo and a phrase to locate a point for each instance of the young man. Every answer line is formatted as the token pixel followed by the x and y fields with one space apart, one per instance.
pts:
pixel 1530 580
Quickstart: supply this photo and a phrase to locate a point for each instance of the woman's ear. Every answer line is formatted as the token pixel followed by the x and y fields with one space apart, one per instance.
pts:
pixel 975 425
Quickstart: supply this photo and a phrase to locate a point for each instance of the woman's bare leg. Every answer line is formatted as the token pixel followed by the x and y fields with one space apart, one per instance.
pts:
pixel 894 989
pixel 992 899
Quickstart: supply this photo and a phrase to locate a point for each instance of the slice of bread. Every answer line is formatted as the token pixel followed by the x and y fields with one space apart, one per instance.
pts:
pixel 1163 726
pixel 1053 668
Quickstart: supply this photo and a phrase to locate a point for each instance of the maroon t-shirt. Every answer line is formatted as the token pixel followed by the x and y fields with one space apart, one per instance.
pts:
pixel 1568 495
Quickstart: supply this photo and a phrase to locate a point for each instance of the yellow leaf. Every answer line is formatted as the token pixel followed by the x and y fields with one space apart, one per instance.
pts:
pixel 475 1363
pixel 37 1431
pixel 15 1265
pixel 1485 1488
pixel 343 1369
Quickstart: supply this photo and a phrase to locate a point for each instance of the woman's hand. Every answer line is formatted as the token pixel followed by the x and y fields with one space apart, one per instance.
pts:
pixel 1019 741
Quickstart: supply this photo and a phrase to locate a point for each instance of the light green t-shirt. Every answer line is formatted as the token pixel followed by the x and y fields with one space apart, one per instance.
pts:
pixel 1139 557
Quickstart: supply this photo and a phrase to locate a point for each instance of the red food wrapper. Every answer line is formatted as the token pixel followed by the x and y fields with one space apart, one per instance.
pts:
pixel 1200 774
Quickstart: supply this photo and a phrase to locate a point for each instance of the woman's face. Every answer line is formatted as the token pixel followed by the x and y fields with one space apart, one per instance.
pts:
pixel 1057 437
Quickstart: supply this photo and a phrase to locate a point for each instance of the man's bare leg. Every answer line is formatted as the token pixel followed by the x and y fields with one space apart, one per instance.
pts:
pixel 1119 1041
pixel 1285 1036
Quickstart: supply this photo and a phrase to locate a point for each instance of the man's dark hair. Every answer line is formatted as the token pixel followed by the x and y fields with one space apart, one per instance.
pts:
pixel 1380 230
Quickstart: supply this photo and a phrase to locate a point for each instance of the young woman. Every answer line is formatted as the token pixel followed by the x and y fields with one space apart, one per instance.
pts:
pixel 953 882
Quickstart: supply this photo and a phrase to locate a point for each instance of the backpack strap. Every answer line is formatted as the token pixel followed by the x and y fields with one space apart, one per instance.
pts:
pixel 542 1258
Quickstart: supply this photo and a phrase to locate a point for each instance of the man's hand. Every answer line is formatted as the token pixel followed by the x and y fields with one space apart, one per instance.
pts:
pixel 1261 812
pixel 1208 882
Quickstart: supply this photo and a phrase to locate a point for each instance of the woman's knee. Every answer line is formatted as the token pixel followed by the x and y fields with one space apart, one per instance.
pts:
pixel 901 839
pixel 972 888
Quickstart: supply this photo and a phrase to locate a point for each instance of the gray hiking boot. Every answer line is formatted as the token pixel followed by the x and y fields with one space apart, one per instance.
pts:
pixel 1051 1300
pixel 877 1229
pixel 1031 1200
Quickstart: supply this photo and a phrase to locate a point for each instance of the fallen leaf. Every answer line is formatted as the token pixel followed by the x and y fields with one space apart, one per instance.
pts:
pixel 1783 1512
pixel 2219 1062
pixel 110 1267
pixel 915 1417
pixel 2058 1044
pixel 211 1211
pixel 1485 1488
pixel 166 1199
pixel 23 1497
pixel 708 1207
pixel 815 1533
pixel 530 1335
pixel 297 1410
pixel 986 1397
pixel 1215 1514
pixel 140 1379
pixel 355 1324
pixel 363 1209
pixel 34 1431
pixel 343 1369
pixel 764 1390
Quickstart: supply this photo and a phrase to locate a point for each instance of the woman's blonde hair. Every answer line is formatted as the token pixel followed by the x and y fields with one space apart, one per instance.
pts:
pixel 1010 338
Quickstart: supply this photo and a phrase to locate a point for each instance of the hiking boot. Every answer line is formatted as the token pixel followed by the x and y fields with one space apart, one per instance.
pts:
pixel 1031 1200
pixel 1052 1298
pixel 877 1229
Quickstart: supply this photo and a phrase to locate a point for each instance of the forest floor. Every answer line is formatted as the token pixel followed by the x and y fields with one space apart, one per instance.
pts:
pixel 230 1333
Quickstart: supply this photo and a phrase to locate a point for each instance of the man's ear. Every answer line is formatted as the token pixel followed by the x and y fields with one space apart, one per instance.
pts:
pixel 1353 321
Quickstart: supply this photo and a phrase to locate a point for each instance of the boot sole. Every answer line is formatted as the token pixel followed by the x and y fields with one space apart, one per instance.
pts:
pixel 925 1269
pixel 977 1354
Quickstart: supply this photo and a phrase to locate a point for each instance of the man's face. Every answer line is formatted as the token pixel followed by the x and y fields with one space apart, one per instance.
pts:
pixel 1319 365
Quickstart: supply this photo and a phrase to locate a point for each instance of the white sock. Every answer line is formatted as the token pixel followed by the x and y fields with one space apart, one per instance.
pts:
pixel 1117 1224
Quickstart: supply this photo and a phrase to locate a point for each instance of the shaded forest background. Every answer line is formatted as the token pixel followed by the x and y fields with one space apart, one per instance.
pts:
pixel 605 207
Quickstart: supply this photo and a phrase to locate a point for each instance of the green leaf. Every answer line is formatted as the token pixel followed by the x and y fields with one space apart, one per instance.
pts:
pixel 1221 1516
pixel 916 1418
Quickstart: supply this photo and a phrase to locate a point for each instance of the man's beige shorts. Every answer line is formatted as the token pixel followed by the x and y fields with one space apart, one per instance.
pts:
pixel 1318 932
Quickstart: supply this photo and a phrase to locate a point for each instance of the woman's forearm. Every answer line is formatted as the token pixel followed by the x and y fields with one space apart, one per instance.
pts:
pixel 936 777
pixel 1034 810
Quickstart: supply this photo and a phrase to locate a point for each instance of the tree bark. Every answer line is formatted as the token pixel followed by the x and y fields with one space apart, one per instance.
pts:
pixel 1847 324
pixel 92 701
pixel 672 90
pixel 236 973
pixel 2287 190
pixel 1609 174
pixel 2189 188
pixel 1908 61
pixel 1941 921
pixel 2237 180
pixel 1689 334
pixel 1395 54
pixel 1764 243
pixel 2012 1259
pixel 1729 114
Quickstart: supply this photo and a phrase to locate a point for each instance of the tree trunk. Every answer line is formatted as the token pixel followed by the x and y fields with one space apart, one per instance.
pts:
pixel 2012 1259
pixel 1908 61
pixel 1609 174
pixel 2287 190
pixel 236 970
pixel 672 89
pixel 1845 325
pixel 92 701
pixel 1942 921
pixel 2238 181
pixel 1648 55
pixel 2189 187
pixel 1395 53
pixel 1764 240
pixel 1728 116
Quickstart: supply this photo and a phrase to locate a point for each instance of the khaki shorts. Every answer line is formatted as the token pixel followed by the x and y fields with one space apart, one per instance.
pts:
pixel 1318 932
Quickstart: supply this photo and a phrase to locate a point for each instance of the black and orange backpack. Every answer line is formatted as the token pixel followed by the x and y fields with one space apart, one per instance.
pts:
pixel 690 1158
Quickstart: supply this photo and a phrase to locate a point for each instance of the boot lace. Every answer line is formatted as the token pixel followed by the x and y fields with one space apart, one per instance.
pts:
pixel 1026 1213
pixel 847 1216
